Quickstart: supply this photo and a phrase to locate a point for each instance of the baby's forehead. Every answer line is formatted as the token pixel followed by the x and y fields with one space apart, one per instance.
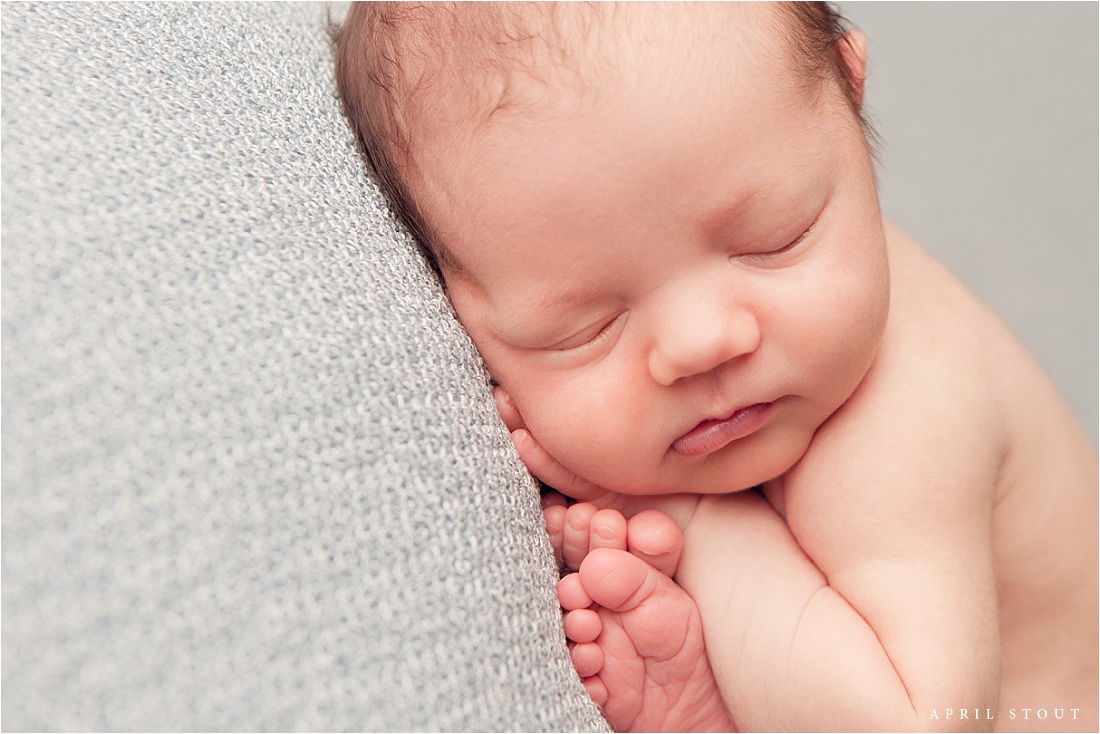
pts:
pixel 481 59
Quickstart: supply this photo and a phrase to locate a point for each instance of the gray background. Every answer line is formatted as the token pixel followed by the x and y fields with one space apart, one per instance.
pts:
pixel 988 119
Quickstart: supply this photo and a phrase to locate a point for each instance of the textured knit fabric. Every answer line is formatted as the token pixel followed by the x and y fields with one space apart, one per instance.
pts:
pixel 252 474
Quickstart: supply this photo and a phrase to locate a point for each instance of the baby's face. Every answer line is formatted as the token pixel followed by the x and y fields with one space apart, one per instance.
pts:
pixel 678 285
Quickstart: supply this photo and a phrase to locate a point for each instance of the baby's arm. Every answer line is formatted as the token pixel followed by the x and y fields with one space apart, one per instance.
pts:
pixel 873 601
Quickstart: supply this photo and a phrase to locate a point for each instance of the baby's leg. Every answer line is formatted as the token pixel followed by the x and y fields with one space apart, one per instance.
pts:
pixel 637 640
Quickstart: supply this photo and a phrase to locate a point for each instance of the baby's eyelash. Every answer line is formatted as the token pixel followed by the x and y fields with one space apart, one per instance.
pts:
pixel 763 254
pixel 604 333
pixel 795 242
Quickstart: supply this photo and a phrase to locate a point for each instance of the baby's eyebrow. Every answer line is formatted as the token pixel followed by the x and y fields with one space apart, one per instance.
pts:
pixel 570 298
pixel 726 213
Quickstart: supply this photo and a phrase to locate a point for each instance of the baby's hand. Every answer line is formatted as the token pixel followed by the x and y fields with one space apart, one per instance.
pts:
pixel 538 460
pixel 655 523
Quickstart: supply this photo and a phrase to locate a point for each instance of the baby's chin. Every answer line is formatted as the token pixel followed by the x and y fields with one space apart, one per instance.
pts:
pixel 722 473
pixel 711 483
pixel 708 488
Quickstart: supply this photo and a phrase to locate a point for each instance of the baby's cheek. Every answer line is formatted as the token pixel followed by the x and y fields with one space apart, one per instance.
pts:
pixel 854 324
pixel 867 309
pixel 569 421
pixel 589 431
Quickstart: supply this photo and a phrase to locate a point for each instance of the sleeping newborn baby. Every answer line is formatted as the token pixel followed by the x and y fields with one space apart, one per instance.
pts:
pixel 814 483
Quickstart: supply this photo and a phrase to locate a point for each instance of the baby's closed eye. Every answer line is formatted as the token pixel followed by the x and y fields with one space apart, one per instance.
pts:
pixel 591 336
pixel 784 241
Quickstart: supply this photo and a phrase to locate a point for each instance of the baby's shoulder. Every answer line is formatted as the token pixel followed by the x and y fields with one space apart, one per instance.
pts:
pixel 950 354
pixel 952 363
pixel 926 426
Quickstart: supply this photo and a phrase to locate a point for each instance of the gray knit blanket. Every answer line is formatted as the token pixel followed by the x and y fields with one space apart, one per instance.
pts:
pixel 252 474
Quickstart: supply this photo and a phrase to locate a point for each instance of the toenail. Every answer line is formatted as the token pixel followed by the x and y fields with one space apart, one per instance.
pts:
pixel 605 532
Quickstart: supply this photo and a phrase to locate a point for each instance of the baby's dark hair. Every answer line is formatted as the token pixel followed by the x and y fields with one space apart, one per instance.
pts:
pixel 387 54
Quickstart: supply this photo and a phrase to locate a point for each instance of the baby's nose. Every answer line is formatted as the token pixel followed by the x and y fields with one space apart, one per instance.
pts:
pixel 700 339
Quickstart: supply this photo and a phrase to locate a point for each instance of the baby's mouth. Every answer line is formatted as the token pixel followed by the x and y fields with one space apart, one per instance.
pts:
pixel 715 433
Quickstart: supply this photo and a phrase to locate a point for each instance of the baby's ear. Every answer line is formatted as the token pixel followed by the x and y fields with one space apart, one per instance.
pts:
pixel 853 52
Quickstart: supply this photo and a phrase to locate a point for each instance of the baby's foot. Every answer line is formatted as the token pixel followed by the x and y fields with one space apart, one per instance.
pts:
pixel 576 530
pixel 638 645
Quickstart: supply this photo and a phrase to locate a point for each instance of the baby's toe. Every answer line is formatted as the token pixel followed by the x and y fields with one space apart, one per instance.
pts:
pixel 616 579
pixel 576 533
pixel 583 625
pixel 572 594
pixel 608 530
pixel 654 612
pixel 553 517
pixel 597 691
pixel 656 538
pixel 587 658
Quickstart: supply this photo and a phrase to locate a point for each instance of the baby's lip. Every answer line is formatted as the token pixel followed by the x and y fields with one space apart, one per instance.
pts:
pixel 714 433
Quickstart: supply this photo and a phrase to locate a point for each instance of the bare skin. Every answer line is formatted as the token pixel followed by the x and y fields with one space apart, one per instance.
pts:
pixel 674 263
pixel 638 644
pixel 1042 509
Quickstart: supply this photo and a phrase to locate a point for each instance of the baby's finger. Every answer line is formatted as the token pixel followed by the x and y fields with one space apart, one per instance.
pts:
pixel 608 530
pixel 571 594
pixel 655 537
pixel 576 534
pixel 544 466
pixel 507 409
